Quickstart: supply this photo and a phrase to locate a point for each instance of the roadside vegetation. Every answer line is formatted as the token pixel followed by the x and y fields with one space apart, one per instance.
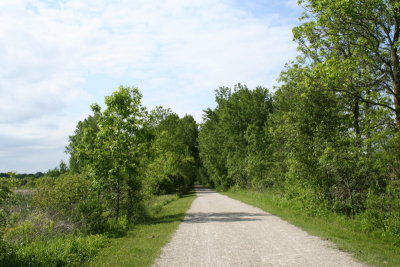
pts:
pixel 142 245
pixel 125 163
pixel 373 248
pixel 327 141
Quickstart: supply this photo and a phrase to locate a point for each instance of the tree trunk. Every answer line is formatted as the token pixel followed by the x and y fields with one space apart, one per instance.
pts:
pixel 118 197
pixel 356 117
pixel 368 123
pixel 396 84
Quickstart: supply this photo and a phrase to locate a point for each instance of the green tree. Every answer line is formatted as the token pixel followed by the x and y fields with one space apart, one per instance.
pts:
pixel 313 139
pixel 222 139
pixel 82 143
pixel 349 57
pixel 118 148
pixel 108 145
pixel 368 32
pixel 174 161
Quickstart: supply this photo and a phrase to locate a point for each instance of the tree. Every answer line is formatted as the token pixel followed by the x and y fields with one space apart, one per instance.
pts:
pixel 313 141
pixel 82 143
pixel 349 56
pixel 222 139
pixel 108 145
pixel 368 32
pixel 174 162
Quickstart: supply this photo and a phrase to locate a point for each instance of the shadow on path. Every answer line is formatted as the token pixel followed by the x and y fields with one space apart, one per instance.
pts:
pixel 202 190
pixel 201 217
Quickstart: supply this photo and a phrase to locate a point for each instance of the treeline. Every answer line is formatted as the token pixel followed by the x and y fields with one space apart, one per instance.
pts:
pixel 329 136
pixel 29 179
pixel 120 158
pixel 21 175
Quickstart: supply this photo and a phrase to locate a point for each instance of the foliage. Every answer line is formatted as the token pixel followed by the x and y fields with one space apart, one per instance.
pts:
pixel 382 212
pixel 240 118
pixel 328 139
pixel 78 207
pixel 172 167
pixel 156 203
pixel 5 193
pixel 143 243
pixel 61 251
pixel 359 39
pixel 128 152
pixel 62 168
pixel 327 142
pixel 346 233
pixel 37 227
pixel 107 145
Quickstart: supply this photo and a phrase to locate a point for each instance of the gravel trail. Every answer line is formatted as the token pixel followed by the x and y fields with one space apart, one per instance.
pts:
pixel 220 231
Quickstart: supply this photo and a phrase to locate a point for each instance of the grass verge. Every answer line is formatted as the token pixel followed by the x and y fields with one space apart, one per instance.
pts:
pixel 142 245
pixel 365 247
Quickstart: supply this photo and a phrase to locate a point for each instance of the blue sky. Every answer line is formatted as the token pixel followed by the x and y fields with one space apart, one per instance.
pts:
pixel 58 57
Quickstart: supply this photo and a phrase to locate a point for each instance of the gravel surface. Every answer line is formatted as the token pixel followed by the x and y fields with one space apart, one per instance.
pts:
pixel 220 231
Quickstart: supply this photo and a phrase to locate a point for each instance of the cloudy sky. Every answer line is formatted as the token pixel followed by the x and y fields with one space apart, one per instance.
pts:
pixel 59 56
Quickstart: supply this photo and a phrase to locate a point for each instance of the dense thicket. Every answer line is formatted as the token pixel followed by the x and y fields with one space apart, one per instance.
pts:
pixel 231 140
pixel 329 137
pixel 173 156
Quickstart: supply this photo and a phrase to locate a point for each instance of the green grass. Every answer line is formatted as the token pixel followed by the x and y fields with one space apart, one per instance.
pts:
pixel 142 245
pixel 365 247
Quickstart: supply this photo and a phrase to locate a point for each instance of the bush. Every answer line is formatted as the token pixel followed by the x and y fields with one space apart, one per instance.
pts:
pixel 93 216
pixel 7 255
pixel 71 198
pixel 5 194
pixel 37 227
pixel 382 212
pixel 61 251
pixel 19 206
pixel 117 227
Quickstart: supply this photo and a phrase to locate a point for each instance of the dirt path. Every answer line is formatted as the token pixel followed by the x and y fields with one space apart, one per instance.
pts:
pixel 220 231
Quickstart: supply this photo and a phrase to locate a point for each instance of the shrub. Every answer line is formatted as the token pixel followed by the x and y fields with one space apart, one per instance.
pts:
pixel 117 227
pixel 37 227
pixel 19 206
pixel 6 252
pixel 93 217
pixel 61 251
pixel 71 198
pixel 382 212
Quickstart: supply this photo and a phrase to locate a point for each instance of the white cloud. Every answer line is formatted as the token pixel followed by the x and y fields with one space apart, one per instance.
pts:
pixel 292 4
pixel 176 51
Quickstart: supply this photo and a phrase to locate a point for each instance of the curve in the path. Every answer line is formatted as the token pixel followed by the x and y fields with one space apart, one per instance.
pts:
pixel 220 231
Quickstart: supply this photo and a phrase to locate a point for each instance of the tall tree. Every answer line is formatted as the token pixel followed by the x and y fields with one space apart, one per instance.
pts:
pixel 82 143
pixel 368 29
pixel 174 161
pixel 108 145
pixel 224 135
